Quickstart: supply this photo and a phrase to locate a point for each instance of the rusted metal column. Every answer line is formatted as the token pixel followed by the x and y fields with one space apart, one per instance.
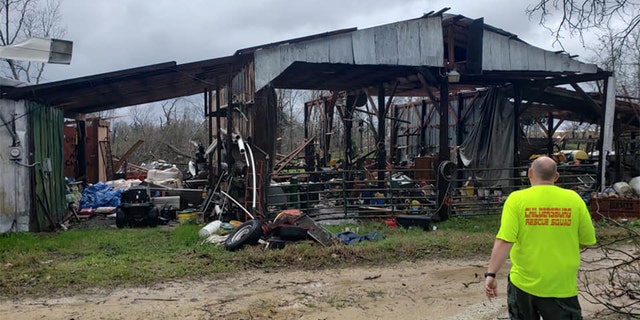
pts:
pixel 309 150
pixel 393 150
pixel 443 154
pixel 382 154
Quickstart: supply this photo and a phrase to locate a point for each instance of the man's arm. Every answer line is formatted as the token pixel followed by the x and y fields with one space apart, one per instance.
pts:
pixel 499 255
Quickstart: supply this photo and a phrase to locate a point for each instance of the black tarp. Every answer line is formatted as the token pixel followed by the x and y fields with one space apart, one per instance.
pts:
pixel 490 143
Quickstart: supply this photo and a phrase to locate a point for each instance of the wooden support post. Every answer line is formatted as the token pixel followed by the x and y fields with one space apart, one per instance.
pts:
pixel 550 133
pixel 460 131
pixel 517 105
pixel 207 113
pixel 218 132
pixel 393 150
pixel 348 126
pixel 309 149
pixel 229 158
pixel 423 128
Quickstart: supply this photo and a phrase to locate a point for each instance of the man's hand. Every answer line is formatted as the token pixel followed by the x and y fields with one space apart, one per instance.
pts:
pixel 491 287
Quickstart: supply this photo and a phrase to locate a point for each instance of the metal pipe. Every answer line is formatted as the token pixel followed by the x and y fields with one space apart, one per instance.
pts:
pixel 238 204
pixel 253 168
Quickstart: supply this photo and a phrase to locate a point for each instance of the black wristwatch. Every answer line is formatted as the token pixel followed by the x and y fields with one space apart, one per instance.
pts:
pixel 489 274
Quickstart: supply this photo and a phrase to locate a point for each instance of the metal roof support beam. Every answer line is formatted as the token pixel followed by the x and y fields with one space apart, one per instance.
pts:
pixel 571 79
pixel 592 104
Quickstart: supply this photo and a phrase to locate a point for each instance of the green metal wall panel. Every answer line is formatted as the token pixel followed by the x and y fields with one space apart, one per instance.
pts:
pixel 49 205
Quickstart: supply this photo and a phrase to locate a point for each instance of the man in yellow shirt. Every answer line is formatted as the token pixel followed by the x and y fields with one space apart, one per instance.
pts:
pixel 541 230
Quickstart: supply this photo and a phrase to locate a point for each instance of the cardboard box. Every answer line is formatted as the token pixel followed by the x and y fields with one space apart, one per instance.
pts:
pixel 615 208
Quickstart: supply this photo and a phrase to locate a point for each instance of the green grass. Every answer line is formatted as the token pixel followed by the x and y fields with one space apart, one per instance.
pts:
pixel 68 262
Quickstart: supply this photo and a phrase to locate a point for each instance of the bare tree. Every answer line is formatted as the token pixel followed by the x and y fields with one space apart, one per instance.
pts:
pixel 612 277
pixel 168 110
pixel 167 136
pixel 580 17
pixel 289 106
pixel 22 19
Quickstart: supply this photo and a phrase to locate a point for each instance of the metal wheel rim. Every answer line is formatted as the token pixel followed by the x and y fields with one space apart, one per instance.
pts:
pixel 241 233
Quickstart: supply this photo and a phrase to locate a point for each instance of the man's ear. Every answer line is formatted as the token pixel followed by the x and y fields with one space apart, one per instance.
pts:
pixel 556 176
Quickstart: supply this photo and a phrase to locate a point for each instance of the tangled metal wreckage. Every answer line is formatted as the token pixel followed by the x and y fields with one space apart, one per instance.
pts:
pixel 446 104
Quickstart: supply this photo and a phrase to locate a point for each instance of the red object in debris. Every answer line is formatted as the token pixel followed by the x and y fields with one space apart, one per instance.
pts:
pixel 86 211
pixel 391 223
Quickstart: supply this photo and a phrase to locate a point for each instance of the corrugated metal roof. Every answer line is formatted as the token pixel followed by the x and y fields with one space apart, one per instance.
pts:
pixel 404 43
pixel 131 86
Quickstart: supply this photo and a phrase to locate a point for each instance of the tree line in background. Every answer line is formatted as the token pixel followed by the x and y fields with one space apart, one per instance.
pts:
pixel 170 130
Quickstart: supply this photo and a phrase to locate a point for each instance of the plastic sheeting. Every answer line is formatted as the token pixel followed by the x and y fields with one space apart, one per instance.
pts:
pixel 100 195
pixel 490 143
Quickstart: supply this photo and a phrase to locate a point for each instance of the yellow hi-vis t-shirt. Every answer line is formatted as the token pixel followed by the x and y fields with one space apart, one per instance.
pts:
pixel 547 225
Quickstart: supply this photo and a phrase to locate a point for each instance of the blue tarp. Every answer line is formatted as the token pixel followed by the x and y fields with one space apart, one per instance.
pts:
pixel 349 237
pixel 100 195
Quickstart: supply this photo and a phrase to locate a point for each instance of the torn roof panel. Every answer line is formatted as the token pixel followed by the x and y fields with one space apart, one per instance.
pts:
pixel 502 53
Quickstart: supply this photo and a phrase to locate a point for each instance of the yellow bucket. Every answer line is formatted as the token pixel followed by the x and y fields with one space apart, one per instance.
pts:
pixel 185 218
pixel 467 191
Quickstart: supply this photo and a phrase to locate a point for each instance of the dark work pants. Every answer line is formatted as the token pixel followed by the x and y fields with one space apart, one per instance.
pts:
pixel 523 306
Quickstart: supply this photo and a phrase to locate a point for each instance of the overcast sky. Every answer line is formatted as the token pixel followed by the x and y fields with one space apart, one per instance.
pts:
pixel 111 35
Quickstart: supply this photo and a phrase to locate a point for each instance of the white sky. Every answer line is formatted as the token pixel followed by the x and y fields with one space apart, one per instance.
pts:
pixel 111 35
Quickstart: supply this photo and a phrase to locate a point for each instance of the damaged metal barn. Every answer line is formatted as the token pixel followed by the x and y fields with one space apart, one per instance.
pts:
pixel 446 104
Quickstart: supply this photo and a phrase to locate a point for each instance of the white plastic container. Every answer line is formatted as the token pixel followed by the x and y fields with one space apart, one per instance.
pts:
pixel 210 228
pixel 623 189
pixel 634 183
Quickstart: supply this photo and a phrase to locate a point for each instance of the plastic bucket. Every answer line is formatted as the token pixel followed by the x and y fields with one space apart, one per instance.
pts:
pixel 185 218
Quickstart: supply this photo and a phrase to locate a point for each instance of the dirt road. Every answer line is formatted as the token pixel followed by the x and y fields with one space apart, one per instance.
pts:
pixel 445 289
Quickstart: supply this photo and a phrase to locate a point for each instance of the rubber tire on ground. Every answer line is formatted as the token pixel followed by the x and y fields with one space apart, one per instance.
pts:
pixel 121 222
pixel 287 232
pixel 152 218
pixel 247 233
